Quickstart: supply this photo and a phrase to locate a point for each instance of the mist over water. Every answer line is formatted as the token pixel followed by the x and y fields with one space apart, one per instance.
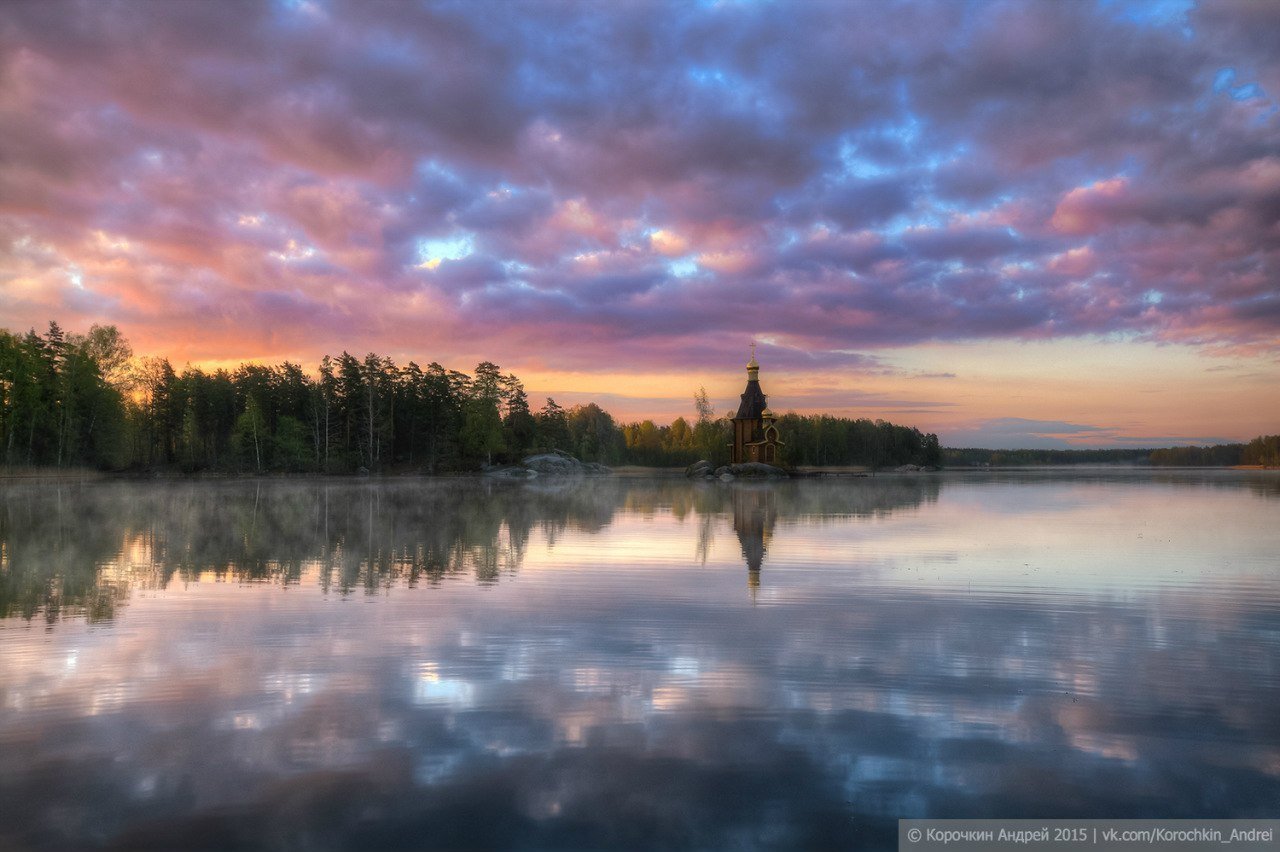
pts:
pixel 634 663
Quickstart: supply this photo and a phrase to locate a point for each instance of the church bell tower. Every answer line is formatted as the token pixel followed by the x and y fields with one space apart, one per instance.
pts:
pixel 755 437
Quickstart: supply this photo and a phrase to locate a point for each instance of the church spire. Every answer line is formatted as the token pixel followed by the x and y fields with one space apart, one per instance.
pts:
pixel 755 438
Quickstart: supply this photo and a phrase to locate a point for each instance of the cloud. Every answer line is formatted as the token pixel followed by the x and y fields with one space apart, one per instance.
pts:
pixel 842 179
pixel 1023 433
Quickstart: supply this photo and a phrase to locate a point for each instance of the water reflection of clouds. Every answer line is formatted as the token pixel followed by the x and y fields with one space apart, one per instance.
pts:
pixel 651 703
pixel 430 688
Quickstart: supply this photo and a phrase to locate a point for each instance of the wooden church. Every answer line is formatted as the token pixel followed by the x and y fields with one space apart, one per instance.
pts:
pixel 755 437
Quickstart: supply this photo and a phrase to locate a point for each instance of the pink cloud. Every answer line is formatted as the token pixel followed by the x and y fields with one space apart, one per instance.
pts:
pixel 263 182
pixel 1086 209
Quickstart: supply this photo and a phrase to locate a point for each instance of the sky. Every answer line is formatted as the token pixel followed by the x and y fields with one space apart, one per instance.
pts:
pixel 1026 224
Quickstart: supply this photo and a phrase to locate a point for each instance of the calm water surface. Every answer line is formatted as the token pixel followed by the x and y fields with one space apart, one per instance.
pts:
pixel 631 663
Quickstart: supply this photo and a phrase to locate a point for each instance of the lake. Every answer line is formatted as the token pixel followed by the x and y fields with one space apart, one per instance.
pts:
pixel 631 662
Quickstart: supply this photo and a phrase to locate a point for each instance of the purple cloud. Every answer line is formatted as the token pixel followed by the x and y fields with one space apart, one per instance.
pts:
pixel 834 177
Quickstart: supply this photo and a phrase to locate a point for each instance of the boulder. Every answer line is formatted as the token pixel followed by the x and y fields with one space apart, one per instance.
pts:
pixel 703 470
pixel 698 470
pixel 729 472
pixel 561 464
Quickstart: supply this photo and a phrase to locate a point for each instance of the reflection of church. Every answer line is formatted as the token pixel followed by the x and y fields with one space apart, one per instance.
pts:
pixel 754 511
pixel 755 437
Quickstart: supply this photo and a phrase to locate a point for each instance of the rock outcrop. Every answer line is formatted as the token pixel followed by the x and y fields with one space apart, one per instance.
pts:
pixel 554 463
pixel 729 472
pixel 700 470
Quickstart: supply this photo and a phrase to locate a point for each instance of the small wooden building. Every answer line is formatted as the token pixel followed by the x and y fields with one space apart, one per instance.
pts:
pixel 755 436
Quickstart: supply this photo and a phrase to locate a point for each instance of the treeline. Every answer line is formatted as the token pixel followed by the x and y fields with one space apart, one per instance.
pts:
pixel 1219 455
pixel 356 414
pixel 62 398
pixel 975 457
pixel 1263 450
pixel 823 440
pixel 73 400
pixel 83 400
pixel 680 444
pixel 810 440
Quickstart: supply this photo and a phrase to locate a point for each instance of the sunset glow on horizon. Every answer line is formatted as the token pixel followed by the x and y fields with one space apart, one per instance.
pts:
pixel 1024 224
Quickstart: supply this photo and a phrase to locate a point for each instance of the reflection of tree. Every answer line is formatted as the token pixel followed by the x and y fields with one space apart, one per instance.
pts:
pixel 1263 483
pixel 79 549
pixel 51 552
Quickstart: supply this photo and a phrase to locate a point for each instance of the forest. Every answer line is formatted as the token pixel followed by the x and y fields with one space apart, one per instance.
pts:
pixel 1261 451
pixel 84 400
pixel 972 457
